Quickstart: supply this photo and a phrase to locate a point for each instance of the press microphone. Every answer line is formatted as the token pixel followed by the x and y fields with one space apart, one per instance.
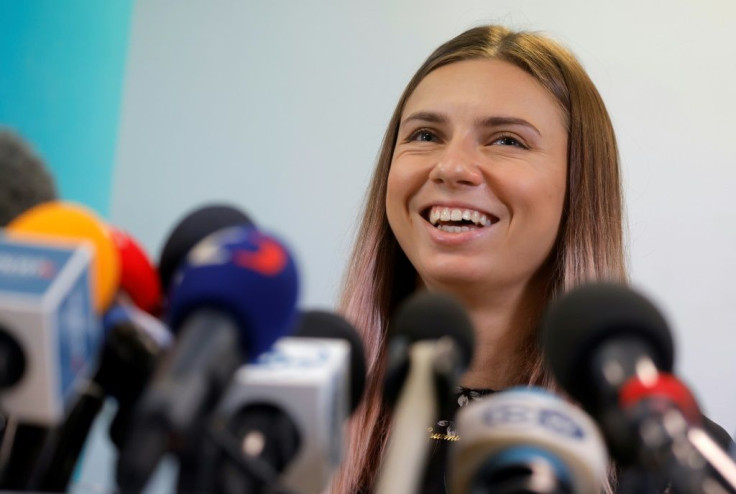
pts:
pixel 133 343
pixel 611 349
pixel 139 279
pixel 58 265
pixel 430 345
pixel 26 182
pixel 288 408
pixel 526 440
pixel 60 221
pixel 234 296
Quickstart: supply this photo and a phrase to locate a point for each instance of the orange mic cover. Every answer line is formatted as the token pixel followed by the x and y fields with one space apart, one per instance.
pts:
pixel 75 223
pixel 138 276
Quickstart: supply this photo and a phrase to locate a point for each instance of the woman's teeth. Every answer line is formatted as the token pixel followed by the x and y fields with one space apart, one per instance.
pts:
pixel 439 217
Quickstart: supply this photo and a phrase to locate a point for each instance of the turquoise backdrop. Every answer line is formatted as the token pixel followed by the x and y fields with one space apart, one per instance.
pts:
pixel 62 65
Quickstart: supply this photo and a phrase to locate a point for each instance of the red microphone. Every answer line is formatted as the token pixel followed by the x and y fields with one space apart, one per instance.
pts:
pixel 139 278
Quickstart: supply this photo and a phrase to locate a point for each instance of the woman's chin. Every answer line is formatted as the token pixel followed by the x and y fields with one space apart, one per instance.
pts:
pixel 454 280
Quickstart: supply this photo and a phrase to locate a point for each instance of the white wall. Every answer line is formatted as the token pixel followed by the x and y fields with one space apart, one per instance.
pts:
pixel 279 106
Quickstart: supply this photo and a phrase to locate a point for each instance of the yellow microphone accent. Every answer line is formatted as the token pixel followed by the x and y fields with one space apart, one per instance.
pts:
pixel 58 220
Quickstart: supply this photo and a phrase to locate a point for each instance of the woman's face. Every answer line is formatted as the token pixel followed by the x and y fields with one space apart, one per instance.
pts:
pixel 477 179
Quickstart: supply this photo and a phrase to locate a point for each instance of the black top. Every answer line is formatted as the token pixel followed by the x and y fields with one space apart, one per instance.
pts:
pixel 632 480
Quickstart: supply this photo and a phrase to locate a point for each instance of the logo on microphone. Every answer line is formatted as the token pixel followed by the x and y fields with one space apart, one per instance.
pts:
pixel 26 267
pixel 520 415
pixel 268 258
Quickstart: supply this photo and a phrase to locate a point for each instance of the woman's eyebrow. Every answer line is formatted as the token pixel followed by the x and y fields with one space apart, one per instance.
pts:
pixel 425 116
pixel 493 121
pixel 497 121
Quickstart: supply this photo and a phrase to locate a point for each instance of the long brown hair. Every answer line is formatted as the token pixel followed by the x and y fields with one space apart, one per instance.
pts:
pixel 589 244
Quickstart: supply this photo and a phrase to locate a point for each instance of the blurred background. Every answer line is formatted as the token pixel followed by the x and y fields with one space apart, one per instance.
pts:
pixel 147 109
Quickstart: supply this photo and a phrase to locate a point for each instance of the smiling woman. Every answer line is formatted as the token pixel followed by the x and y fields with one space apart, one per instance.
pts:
pixel 497 182
pixel 478 138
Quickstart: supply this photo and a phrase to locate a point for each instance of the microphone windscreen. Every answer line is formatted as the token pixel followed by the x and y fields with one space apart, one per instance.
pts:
pixel 247 274
pixel 26 182
pixel 138 276
pixel 431 316
pixel 578 324
pixel 69 222
pixel 324 324
pixel 190 230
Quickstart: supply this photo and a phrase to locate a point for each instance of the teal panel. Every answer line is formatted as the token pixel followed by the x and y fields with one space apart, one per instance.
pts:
pixel 61 78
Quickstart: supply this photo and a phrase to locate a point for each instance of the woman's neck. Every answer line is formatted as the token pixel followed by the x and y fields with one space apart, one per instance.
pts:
pixel 503 323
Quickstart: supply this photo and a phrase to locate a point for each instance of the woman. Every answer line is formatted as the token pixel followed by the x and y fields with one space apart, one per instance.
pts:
pixel 497 181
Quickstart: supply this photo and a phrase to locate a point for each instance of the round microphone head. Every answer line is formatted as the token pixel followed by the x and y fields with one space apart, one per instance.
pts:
pixel 26 181
pixel 512 427
pixel 431 316
pixel 324 324
pixel 579 323
pixel 75 223
pixel 190 230
pixel 245 273
pixel 138 276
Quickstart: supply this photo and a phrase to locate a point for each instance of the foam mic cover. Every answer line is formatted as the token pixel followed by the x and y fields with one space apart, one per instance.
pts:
pixel 26 182
pixel 245 273
pixel 431 316
pixel 324 324
pixel 577 325
pixel 190 230
pixel 138 276
pixel 425 316
pixel 75 223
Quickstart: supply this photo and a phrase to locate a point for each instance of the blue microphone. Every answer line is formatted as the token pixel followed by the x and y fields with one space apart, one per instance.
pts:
pixel 233 296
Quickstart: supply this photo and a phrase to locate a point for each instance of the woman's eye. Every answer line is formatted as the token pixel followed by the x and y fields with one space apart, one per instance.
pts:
pixel 509 141
pixel 423 136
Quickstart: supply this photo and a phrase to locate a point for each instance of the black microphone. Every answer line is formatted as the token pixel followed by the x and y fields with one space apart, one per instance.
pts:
pixel 430 345
pixel 612 350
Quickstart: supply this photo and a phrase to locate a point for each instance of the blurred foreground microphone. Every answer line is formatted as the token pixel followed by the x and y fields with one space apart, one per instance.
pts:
pixel 139 278
pixel 50 270
pixel 25 180
pixel 60 221
pixel 133 344
pixel 60 263
pixel 611 349
pixel 286 411
pixel 430 345
pixel 234 297
pixel 193 227
pixel 526 440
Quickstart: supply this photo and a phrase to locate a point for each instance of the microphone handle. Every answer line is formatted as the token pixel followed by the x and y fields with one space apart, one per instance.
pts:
pixel 715 457
pixel 183 393
pixel 403 466
pixel 66 443
pixel 26 443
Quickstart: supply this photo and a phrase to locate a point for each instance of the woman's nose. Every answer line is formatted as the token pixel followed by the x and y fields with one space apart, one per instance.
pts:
pixel 457 166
